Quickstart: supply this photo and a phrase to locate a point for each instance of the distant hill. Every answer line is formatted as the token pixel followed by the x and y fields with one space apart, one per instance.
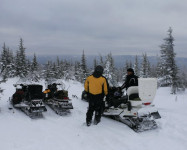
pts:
pixel 119 60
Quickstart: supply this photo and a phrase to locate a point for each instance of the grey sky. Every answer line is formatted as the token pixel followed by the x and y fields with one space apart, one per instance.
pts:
pixel 97 26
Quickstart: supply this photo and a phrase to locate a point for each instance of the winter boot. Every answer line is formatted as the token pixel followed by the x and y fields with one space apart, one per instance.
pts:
pixel 97 120
pixel 88 123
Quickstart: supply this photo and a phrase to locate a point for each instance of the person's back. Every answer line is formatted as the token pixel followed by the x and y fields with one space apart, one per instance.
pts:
pixel 97 87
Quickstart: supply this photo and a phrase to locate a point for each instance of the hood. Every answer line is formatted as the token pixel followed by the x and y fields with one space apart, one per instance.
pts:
pixel 97 74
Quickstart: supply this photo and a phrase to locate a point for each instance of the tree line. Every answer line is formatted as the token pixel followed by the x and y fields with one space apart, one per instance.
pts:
pixel 166 70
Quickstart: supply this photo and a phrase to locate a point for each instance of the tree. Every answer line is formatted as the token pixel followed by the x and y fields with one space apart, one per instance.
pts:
pixel 153 71
pixel 145 67
pixel 7 65
pixel 34 65
pixel 101 60
pixel 33 73
pixel 95 62
pixel 136 66
pixel 78 71
pixel 130 64
pixel 48 73
pixel 109 70
pixel 21 69
pixel 167 65
pixel 83 67
pixel 59 68
pixel 125 70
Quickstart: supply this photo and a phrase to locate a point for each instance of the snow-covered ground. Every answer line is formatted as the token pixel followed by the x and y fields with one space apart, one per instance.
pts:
pixel 53 132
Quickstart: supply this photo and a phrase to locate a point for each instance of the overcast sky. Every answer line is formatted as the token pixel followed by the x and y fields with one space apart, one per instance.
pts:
pixel 122 27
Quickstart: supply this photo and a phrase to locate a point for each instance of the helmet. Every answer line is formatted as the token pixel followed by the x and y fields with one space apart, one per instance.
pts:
pixel 99 69
pixel 130 70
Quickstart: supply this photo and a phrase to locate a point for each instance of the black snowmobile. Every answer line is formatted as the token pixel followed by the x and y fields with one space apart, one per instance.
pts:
pixel 58 100
pixel 135 110
pixel 29 99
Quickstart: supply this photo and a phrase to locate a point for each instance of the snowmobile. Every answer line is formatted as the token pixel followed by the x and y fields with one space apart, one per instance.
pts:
pixel 138 112
pixel 58 100
pixel 29 99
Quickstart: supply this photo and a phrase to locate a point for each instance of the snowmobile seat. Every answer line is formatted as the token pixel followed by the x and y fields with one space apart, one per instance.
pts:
pixel 133 96
pixel 18 96
pixel 61 94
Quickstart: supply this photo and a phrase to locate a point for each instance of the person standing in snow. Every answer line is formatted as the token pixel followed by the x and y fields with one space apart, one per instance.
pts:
pixel 96 86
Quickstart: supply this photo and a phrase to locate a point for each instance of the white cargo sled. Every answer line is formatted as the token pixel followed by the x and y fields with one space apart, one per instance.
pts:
pixel 142 113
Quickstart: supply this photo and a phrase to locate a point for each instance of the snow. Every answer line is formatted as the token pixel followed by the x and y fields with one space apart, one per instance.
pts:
pixel 53 132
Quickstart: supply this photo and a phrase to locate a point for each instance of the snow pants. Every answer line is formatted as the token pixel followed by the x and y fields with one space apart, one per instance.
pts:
pixel 95 104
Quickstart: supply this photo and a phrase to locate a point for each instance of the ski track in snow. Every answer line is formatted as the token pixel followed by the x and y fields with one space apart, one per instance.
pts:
pixel 53 132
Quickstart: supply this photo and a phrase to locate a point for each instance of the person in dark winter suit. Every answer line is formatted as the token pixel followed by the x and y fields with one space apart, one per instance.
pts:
pixel 131 79
pixel 97 87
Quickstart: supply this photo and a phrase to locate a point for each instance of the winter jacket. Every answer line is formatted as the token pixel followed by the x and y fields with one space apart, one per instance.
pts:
pixel 96 84
pixel 131 80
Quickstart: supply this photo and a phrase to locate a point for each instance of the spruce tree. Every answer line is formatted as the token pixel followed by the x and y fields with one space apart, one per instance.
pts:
pixel 83 67
pixel 125 70
pixel 21 67
pixel 3 58
pixel 109 70
pixel 3 61
pixel 34 66
pixel 7 63
pixel 78 71
pixel 136 66
pixel 168 67
pixel 48 73
pixel 153 71
pixel 101 60
pixel 145 67
pixel 130 64
pixel 95 62
pixel 58 69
